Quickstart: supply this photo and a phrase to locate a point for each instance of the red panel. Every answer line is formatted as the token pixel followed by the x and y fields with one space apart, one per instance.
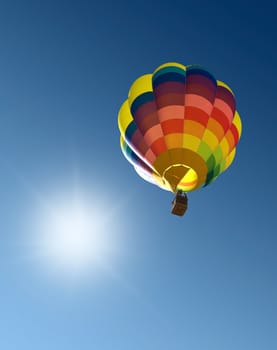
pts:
pixel 153 134
pixel 171 112
pixel 197 101
pixel 194 113
pixel 150 156
pixel 221 118
pixel 172 126
pixel 159 146
pixel 224 108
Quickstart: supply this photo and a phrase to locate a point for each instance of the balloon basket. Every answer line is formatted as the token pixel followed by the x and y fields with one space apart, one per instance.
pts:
pixel 179 204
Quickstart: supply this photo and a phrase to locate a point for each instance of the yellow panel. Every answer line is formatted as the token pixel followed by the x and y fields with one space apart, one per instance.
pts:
pixel 174 140
pixel 170 64
pixel 210 139
pixel 230 159
pixel 224 147
pixel 174 174
pixel 220 83
pixel 121 142
pixel 191 142
pixel 237 122
pixel 188 182
pixel 141 85
pixel 124 117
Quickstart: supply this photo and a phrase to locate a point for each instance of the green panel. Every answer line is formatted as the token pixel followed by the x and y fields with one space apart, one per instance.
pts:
pixel 222 166
pixel 204 150
pixel 217 170
pixel 211 163
pixel 169 69
pixel 209 178
pixel 218 154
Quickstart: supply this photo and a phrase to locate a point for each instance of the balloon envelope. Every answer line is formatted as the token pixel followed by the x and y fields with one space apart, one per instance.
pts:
pixel 179 127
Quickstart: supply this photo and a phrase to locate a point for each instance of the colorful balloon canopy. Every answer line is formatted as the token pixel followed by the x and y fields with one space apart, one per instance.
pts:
pixel 179 127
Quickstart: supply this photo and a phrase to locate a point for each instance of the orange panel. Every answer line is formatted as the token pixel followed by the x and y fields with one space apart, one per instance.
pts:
pixel 188 184
pixel 216 128
pixel 174 140
pixel 230 138
pixel 193 128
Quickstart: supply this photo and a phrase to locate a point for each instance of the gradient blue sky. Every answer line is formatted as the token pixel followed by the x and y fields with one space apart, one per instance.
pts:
pixel 206 281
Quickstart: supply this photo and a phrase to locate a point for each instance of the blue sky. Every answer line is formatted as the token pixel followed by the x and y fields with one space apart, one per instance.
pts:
pixel 206 281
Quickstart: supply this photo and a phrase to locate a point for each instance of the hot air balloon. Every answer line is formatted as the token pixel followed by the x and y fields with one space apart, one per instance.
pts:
pixel 179 128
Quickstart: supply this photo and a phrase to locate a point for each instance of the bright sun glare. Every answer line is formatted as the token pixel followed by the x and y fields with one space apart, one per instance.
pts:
pixel 72 236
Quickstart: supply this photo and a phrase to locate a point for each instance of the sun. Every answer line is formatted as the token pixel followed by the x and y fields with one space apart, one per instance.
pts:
pixel 73 236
